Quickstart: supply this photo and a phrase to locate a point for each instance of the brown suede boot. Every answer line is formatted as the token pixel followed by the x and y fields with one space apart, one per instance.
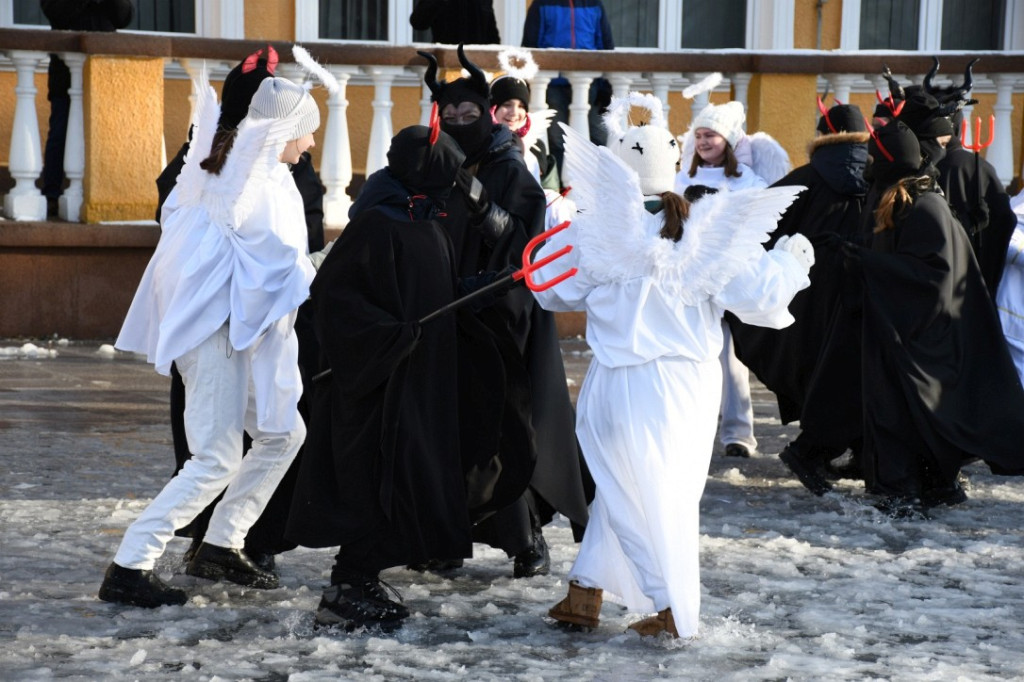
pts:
pixel 582 606
pixel 653 625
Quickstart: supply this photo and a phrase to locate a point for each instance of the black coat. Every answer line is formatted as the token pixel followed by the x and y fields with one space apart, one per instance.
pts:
pixel 940 388
pixel 382 468
pixel 520 325
pixel 457 21
pixel 981 204
pixel 813 366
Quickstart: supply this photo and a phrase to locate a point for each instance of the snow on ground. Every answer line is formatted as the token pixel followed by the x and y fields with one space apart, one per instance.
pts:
pixel 795 587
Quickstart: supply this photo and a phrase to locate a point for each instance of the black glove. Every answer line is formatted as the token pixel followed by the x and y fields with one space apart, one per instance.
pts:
pixel 474 191
pixel 471 283
pixel 832 241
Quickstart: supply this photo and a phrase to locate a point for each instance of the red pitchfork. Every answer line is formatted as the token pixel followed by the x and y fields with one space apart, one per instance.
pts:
pixel 525 273
pixel 977 145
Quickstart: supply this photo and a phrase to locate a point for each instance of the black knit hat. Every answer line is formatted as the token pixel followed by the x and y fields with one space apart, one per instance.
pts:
pixel 242 83
pixel 424 167
pixel 922 113
pixel 842 118
pixel 895 153
pixel 508 87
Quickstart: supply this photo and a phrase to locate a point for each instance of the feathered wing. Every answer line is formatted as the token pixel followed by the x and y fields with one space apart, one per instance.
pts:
pixel 256 151
pixel 540 121
pixel 686 147
pixel 609 210
pixel 770 160
pixel 192 178
pixel 723 234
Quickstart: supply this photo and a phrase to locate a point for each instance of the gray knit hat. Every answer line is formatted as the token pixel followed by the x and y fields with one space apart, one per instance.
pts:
pixel 281 98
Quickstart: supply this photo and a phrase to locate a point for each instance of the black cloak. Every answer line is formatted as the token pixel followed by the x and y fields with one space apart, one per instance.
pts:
pixel 940 388
pixel 382 474
pixel 560 479
pixel 982 206
pixel 788 361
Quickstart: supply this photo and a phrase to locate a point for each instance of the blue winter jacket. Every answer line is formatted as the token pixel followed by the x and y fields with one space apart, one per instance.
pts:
pixel 575 24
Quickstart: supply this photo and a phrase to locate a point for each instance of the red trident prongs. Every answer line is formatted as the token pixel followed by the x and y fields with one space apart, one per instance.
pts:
pixel 530 267
pixel 890 104
pixel 977 145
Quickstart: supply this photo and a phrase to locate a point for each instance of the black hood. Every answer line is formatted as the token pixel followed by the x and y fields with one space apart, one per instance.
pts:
pixel 841 165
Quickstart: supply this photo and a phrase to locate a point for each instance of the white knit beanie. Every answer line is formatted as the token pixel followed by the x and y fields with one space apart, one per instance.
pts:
pixel 725 119
pixel 652 152
pixel 281 98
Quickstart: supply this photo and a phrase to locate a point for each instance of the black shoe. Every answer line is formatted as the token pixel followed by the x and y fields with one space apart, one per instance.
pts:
pixel 903 507
pixel 534 560
pixel 736 450
pixel 851 470
pixel 437 565
pixel 222 563
pixel 947 495
pixel 138 587
pixel 265 560
pixel 360 602
pixel 810 473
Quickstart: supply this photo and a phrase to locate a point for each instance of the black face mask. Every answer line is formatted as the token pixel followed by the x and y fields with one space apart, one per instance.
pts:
pixel 932 151
pixel 474 138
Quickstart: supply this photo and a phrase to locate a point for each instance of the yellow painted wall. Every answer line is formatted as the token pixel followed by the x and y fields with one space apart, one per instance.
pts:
pixel 123 125
pixel 805 25
pixel 269 20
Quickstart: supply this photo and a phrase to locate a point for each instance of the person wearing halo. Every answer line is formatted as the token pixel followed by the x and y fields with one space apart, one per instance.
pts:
pixel 655 276
pixel 219 299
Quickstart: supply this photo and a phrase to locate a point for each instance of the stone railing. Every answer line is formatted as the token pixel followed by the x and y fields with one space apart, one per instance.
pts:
pixel 848 75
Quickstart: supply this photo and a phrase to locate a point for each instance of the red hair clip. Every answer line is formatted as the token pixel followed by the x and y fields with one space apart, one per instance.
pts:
pixel 874 136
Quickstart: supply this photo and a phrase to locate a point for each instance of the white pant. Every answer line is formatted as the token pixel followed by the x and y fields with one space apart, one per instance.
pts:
pixel 219 406
pixel 737 424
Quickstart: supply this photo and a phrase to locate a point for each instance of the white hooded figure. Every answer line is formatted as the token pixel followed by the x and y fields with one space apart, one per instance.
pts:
pixel 655 289
pixel 1010 295
pixel 219 299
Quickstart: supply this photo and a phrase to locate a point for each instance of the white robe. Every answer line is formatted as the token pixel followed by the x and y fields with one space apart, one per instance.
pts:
pixel 1010 296
pixel 646 417
pixel 253 275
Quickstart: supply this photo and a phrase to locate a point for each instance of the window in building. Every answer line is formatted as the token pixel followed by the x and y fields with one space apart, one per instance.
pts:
pixel 973 24
pixel 163 17
pixel 634 23
pixel 889 24
pixel 354 19
pixel 714 24
pixel 29 12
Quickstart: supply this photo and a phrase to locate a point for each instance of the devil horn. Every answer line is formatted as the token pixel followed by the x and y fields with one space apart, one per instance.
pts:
pixel 895 89
pixel 968 77
pixel 430 77
pixel 475 74
pixel 931 74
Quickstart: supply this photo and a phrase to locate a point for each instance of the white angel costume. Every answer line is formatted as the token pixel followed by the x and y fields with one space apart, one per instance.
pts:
pixel 1010 295
pixel 218 298
pixel 647 409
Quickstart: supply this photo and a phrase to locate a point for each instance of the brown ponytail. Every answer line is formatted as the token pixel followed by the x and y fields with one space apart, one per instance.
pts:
pixel 677 210
pixel 223 140
pixel 897 199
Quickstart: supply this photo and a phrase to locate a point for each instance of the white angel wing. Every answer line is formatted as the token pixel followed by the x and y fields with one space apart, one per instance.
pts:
pixel 192 178
pixel 609 210
pixel 256 151
pixel 686 149
pixel 540 121
pixel 770 160
pixel 724 233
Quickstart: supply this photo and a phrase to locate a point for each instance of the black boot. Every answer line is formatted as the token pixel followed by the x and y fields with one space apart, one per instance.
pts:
pixel 360 601
pixel 534 560
pixel 223 563
pixel 808 470
pixel 138 587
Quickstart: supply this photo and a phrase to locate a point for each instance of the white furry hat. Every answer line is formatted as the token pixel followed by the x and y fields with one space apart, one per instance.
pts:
pixel 725 119
pixel 652 152
pixel 280 98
